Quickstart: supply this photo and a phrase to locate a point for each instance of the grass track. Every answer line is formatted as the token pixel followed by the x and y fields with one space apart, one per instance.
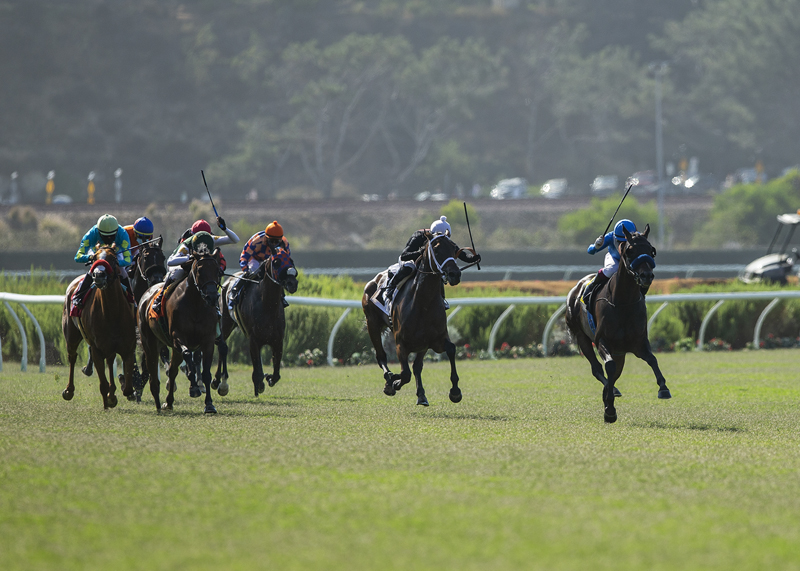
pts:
pixel 325 472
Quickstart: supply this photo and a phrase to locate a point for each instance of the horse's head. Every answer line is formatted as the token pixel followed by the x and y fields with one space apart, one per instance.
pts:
pixel 638 256
pixel 104 266
pixel 205 275
pixel 283 270
pixel 151 262
pixel 440 255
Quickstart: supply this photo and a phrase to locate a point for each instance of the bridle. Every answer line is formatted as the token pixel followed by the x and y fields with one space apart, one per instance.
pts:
pixel 140 261
pixel 631 267
pixel 202 287
pixel 438 268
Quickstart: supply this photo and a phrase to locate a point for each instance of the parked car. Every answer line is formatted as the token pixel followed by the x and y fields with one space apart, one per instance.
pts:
pixel 510 188
pixel 701 184
pixel 62 199
pixel 554 188
pixel 605 185
pixel 643 182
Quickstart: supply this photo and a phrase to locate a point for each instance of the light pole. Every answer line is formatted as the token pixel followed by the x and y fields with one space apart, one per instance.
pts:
pixel 118 185
pixel 659 69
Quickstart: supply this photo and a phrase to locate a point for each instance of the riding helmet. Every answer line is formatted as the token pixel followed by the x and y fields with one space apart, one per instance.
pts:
pixel 107 225
pixel 144 227
pixel 201 226
pixel 274 230
pixel 441 226
pixel 202 242
pixel 618 232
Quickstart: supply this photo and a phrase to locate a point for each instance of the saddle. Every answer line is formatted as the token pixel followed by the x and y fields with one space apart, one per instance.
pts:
pixel 587 299
pixel 376 297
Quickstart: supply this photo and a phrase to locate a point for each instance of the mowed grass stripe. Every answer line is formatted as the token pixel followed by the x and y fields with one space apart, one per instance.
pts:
pixel 323 471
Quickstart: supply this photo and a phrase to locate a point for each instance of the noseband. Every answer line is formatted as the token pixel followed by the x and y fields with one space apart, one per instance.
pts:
pixel 633 267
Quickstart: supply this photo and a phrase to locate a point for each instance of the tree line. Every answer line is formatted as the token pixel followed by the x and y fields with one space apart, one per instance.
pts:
pixel 338 97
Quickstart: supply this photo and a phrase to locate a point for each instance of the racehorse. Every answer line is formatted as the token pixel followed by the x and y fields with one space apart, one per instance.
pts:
pixel 190 323
pixel 107 324
pixel 149 267
pixel 621 318
pixel 418 318
pixel 260 314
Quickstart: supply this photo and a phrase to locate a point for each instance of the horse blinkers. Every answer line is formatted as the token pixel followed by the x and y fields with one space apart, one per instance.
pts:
pixel 208 288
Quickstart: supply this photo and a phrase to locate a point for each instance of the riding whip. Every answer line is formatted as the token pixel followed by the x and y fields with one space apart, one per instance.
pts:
pixel 466 214
pixel 209 193
pixel 630 186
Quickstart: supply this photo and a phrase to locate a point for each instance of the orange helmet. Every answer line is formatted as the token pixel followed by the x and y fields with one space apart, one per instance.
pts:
pixel 274 230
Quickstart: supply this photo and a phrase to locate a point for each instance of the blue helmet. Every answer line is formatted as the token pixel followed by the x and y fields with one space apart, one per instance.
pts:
pixel 619 234
pixel 143 226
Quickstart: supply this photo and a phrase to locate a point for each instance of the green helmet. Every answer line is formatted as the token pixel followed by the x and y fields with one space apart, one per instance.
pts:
pixel 107 224
pixel 203 242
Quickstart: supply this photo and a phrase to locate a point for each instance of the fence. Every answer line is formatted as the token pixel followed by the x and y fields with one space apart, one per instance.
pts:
pixel 456 304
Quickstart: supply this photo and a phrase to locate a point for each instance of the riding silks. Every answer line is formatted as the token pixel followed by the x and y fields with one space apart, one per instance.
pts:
pixel 586 302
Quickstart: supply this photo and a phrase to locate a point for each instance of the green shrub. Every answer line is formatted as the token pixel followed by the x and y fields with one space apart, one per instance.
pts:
pixel 582 227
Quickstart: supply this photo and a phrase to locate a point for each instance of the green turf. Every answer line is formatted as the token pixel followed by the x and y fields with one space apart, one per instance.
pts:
pixel 325 472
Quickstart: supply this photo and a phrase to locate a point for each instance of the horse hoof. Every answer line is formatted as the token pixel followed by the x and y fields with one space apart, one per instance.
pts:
pixel 223 389
pixel 132 397
pixel 664 394
pixel 215 384
pixel 610 416
pixel 195 392
pixel 112 401
pixel 166 406
pixel 87 371
pixel 210 409
pixel 617 393
pixel 67 395
pixel 422 401
pixel 397 385
pixel 455 396
pixel 271 380
pixel 388 390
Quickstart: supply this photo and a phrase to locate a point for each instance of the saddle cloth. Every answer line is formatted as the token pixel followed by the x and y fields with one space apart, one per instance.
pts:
pixel 586 301
pixel 376 297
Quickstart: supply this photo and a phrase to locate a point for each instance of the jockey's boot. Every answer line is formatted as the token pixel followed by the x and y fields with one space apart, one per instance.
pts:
pixel 79 295
pixel 387 293
pixel 593 288
pixel 160 297
pixel 283 300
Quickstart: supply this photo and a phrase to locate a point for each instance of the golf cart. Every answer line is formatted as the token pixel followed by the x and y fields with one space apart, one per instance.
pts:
pixel 774 267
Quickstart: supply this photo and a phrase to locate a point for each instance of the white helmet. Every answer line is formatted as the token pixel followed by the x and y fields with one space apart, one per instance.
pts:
pixel 441 226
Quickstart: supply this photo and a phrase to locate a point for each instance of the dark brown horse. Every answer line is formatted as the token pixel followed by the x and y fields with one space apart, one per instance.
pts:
pixel 418 318
pixel 621 318
pixel 149 267
pixel 107 323
pixel 260 315
pixel 190 323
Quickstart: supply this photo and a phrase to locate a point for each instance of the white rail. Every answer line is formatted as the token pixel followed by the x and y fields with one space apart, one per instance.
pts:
pixel 455 303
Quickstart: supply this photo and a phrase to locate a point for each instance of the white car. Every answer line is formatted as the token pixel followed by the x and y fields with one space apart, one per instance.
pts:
pixel 510 188
pixel 62 199
pixel 554 188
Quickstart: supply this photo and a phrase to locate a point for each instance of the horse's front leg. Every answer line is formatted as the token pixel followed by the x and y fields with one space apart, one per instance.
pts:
pixel 614 366
pixel 258 370
pixel 646 355
pixel 375 329
pixel 208 357
pixel 109 400
pixel 191 361
pixel 277 355
pixel 69 391
pixel 112 381
pixel 417 368
pixel 128 365
pixel 220 382
pixel 405 373
pixel 455 392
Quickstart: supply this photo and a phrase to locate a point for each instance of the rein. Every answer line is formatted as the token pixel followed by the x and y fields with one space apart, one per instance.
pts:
pixel 432 256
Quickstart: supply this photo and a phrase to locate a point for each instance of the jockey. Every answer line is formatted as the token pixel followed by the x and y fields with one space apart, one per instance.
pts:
pixel 407 261
pixel 107 231
pixel 139 232
pixel 612 241
pixel 183 253
pixel 259 247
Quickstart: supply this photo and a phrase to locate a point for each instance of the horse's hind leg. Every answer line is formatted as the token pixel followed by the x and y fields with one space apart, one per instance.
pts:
pixel 198 361
pixel 191 373
pixel 418 362
pixel 277 355
pixel 69 391
pixel 258 369
pixel 220 382
pixel 109 400
pixel 585 345
pixel 646 355
pixel 88 368
pixel 375 330
pixel 455 392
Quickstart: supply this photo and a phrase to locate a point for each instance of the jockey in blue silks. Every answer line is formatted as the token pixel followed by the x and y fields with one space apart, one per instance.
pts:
pixel 107 232
pixel 612 241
